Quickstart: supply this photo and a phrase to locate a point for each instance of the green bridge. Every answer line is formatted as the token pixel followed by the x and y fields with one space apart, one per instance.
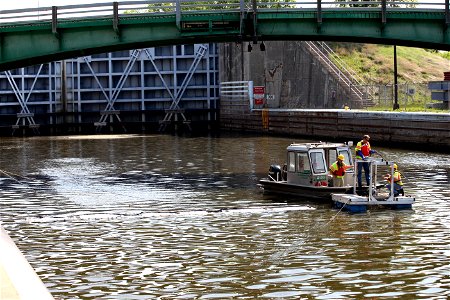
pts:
pixel 32 36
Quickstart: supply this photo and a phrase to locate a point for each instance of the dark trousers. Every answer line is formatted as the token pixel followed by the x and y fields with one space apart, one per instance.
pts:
pixel 398 189
pixel 364 165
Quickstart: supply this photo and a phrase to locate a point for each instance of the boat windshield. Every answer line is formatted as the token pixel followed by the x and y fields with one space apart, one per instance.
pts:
pixel 318 162
pixel 303 163
pixel 333 154
pixel 346 156
pixel 291 160
pixel 299 162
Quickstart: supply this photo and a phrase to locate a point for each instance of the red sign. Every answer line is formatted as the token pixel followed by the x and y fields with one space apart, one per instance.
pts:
pixel 258 94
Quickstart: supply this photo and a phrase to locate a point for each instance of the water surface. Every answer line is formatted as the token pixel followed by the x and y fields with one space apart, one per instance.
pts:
pixel 166 217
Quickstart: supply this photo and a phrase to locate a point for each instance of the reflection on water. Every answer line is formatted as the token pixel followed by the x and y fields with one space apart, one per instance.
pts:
pixel 164 217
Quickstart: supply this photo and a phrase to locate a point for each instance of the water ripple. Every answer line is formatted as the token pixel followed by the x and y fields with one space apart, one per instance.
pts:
pixel 164 217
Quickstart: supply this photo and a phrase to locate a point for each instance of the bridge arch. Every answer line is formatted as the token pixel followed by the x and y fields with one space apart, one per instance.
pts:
pixel 32 36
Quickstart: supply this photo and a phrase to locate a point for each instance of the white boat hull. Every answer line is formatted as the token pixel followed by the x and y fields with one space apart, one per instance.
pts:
pixel 357 203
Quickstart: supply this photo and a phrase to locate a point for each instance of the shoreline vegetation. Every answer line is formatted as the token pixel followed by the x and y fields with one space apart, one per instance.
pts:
pixel 415 68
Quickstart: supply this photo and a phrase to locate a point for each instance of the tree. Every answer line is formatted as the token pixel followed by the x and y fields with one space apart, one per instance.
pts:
pixel 389 3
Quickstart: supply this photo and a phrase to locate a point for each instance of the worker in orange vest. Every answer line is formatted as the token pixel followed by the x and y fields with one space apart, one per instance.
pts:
pixel 363 152
pixel 337 169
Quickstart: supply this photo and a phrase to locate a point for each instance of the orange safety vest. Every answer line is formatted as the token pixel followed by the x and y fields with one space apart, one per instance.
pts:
pixel 336 171
pixel 365 149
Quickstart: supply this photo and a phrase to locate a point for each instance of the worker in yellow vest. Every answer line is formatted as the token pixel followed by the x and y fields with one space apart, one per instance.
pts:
pixel 337 169
pixel 398 184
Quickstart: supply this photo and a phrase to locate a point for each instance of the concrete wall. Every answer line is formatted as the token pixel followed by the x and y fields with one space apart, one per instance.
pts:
pixel 301 85
pixel 292 76
pixel 428 131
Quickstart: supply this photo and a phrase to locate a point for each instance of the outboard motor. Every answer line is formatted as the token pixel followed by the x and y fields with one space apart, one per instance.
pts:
pixel 275 173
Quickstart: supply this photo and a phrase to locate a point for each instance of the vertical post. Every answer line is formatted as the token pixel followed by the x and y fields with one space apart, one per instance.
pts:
pixel 383 12
pixel 255 11
pixel 242 62
pixel 55 21
pixel 391 182
pixel 241 6
pixel 396 106
pixel 254 5
pixel 354 177
pixel 1 47
pixel 250 94
pixel 319 12
pixel 241 25
pixel 447 13
pixel 448 96
pixel 63 87
pixel 178 13
pixel 116 17
pixel 371 179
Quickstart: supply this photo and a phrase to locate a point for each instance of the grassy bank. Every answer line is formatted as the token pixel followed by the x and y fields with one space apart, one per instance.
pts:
pixel 415 68
pixel 375 63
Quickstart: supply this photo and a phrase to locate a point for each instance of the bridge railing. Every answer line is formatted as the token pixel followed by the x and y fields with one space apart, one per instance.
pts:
pixel 375 5
pixel 180 7
pixel 83 11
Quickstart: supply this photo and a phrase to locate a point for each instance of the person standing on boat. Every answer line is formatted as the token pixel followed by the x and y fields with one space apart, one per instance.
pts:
pixel 337 169
pixel 363 151
pixel 398 184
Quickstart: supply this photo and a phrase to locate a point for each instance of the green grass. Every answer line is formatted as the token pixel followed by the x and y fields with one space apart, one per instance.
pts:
pixel 410 107
pixel 375 64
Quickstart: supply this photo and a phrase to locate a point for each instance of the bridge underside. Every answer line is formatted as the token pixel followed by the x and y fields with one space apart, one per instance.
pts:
pixel 28 44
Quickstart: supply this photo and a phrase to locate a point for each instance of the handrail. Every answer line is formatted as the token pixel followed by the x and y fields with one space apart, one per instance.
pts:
pixel 342 65
pixel 344 77
pixel 350 75
pixel 44 14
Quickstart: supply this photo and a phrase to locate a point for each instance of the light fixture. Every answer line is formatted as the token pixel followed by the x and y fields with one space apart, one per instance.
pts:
pixel 262 47
pixel 249 48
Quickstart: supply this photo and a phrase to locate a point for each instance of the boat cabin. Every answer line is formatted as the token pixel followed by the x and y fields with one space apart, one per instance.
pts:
pixel 308 164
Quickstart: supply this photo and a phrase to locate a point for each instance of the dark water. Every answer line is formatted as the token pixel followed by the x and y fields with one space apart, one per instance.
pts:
pixel 164 217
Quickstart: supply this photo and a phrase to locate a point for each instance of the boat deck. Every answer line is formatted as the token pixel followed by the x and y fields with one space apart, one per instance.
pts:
pixel 357 203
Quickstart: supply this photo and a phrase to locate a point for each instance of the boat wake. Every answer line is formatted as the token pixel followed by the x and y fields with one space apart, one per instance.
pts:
pixel 95 216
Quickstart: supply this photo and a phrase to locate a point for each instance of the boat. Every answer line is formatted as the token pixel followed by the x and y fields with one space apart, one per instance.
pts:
pixel 306 172
pixel 375 197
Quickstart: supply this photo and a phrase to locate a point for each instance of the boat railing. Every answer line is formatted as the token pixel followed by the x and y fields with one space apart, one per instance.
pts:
pixel 373 169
